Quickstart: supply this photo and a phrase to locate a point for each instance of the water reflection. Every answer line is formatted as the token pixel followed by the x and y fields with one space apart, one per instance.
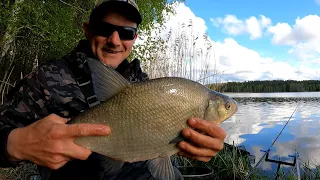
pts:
pixel 260 118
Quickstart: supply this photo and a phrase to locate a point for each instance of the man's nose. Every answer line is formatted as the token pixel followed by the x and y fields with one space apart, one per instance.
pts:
pixel 114 38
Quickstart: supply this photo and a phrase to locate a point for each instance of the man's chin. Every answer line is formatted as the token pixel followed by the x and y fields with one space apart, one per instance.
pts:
pixel 110 61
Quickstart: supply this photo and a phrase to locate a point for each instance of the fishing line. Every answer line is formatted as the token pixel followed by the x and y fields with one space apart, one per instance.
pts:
pixel 232 126
pixel 272 142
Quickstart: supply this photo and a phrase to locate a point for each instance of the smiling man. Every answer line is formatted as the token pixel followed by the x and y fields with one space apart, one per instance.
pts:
pixel 33 118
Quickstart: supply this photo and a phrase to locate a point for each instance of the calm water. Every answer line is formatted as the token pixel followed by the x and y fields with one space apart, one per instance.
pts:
pixel 260 118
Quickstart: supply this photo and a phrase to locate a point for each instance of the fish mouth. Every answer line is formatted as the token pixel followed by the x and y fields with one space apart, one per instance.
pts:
pixel 225 106
pixel 233 107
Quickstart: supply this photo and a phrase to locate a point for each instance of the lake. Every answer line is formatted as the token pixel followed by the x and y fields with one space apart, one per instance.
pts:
pixel 260 118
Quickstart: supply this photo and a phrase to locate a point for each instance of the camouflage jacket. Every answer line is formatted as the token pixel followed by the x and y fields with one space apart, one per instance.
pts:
pixel 53 89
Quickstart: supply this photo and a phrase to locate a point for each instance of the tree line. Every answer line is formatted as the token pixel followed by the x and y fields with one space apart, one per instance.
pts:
pixel 268 86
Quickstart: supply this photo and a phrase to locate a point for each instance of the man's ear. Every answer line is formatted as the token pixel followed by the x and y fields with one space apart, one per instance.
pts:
pixel 135 38
pixel 86 29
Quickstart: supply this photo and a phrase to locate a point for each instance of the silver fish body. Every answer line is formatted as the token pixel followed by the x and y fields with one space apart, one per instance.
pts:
pixel 145 117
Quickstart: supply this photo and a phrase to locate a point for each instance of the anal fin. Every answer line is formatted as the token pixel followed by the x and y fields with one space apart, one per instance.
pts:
pixel 161 168
pixel 111 166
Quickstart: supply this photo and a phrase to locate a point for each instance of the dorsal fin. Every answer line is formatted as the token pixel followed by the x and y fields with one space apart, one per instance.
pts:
pixel 106 81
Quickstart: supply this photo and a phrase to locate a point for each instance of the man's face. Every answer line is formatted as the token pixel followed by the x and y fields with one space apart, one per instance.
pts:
pixel 111 50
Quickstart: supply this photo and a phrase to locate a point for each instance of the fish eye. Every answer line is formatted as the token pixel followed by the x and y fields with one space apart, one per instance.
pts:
pixel 227 105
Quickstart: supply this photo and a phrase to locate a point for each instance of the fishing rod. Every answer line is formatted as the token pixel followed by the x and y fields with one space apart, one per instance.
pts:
pixel 267 152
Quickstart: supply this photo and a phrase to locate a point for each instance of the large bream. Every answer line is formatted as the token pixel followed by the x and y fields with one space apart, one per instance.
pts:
pixel 146 117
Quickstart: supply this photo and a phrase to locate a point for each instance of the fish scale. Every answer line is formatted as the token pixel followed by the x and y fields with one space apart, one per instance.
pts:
pixel 147 125
pixel 146 117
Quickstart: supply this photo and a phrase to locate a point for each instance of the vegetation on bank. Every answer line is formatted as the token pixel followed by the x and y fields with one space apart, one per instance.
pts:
pixel 230 163
pixel 268 86
pixel 32 32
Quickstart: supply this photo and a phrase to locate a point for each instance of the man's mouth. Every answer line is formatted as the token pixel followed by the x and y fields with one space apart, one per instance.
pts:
pixel 111 51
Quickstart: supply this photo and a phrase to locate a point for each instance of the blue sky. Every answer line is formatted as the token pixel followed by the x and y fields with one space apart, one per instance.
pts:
pixel 278 11
pixel 292 47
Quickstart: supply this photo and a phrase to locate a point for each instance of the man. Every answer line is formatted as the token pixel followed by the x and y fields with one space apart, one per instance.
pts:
pixel 33 119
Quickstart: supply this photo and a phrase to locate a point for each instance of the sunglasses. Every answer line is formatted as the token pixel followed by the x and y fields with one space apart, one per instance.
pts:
pixel 106 30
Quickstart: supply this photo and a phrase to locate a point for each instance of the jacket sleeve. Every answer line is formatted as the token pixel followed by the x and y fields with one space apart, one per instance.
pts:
pixel 24 104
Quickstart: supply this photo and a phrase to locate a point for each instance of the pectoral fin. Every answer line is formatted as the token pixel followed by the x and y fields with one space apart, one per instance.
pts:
pixel 161 168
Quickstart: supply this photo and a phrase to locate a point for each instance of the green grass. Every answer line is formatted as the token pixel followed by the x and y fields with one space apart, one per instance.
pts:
pixel 234 163
pixel 22 172
pixel 230 163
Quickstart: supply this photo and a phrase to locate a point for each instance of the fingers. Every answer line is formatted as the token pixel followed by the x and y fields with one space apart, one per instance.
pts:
pixel 198 158
pixel 57 119
pixel 69 148
pixel 209 127
pixel 78 130
pixel 56 166
pixel 55 161
pixel 50 141
pixel 202 140
pixel 58 159
pixel 77 152
pixel 196 151
pixel 204 144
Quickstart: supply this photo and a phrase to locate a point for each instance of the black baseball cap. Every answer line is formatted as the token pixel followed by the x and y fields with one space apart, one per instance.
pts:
pixel 129 8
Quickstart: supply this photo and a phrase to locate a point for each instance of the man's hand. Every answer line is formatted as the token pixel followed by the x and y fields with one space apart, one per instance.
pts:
pixel 49 141
pixel 202 146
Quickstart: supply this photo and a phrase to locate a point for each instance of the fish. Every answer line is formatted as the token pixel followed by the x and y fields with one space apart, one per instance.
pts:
pixel 147 118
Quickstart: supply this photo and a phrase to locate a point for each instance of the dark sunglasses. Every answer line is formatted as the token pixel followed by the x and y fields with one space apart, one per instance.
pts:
pixel 106 29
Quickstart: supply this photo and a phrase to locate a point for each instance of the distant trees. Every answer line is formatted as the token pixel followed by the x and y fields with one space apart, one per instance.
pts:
pixel 268 86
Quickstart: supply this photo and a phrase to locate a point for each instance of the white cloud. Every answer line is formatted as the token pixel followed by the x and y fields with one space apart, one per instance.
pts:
pixel 253 27
pixel 234 26
pixel 281 33
pixel 305 29
pixel 231 24
pixel 229 59
pixel 247 64
pixel 308 52
pixel 303 36
pixel 265 22
pixel 317 2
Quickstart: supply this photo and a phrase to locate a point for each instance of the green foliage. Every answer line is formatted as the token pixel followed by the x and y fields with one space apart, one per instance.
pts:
pixel 4 15
pixel 36 31
pixel 41 30
pixel 152 11
pixel 230 163
pixel 50 28
pixel 154 15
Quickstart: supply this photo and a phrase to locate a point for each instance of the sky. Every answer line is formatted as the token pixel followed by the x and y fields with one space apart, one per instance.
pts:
pixel 257 40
